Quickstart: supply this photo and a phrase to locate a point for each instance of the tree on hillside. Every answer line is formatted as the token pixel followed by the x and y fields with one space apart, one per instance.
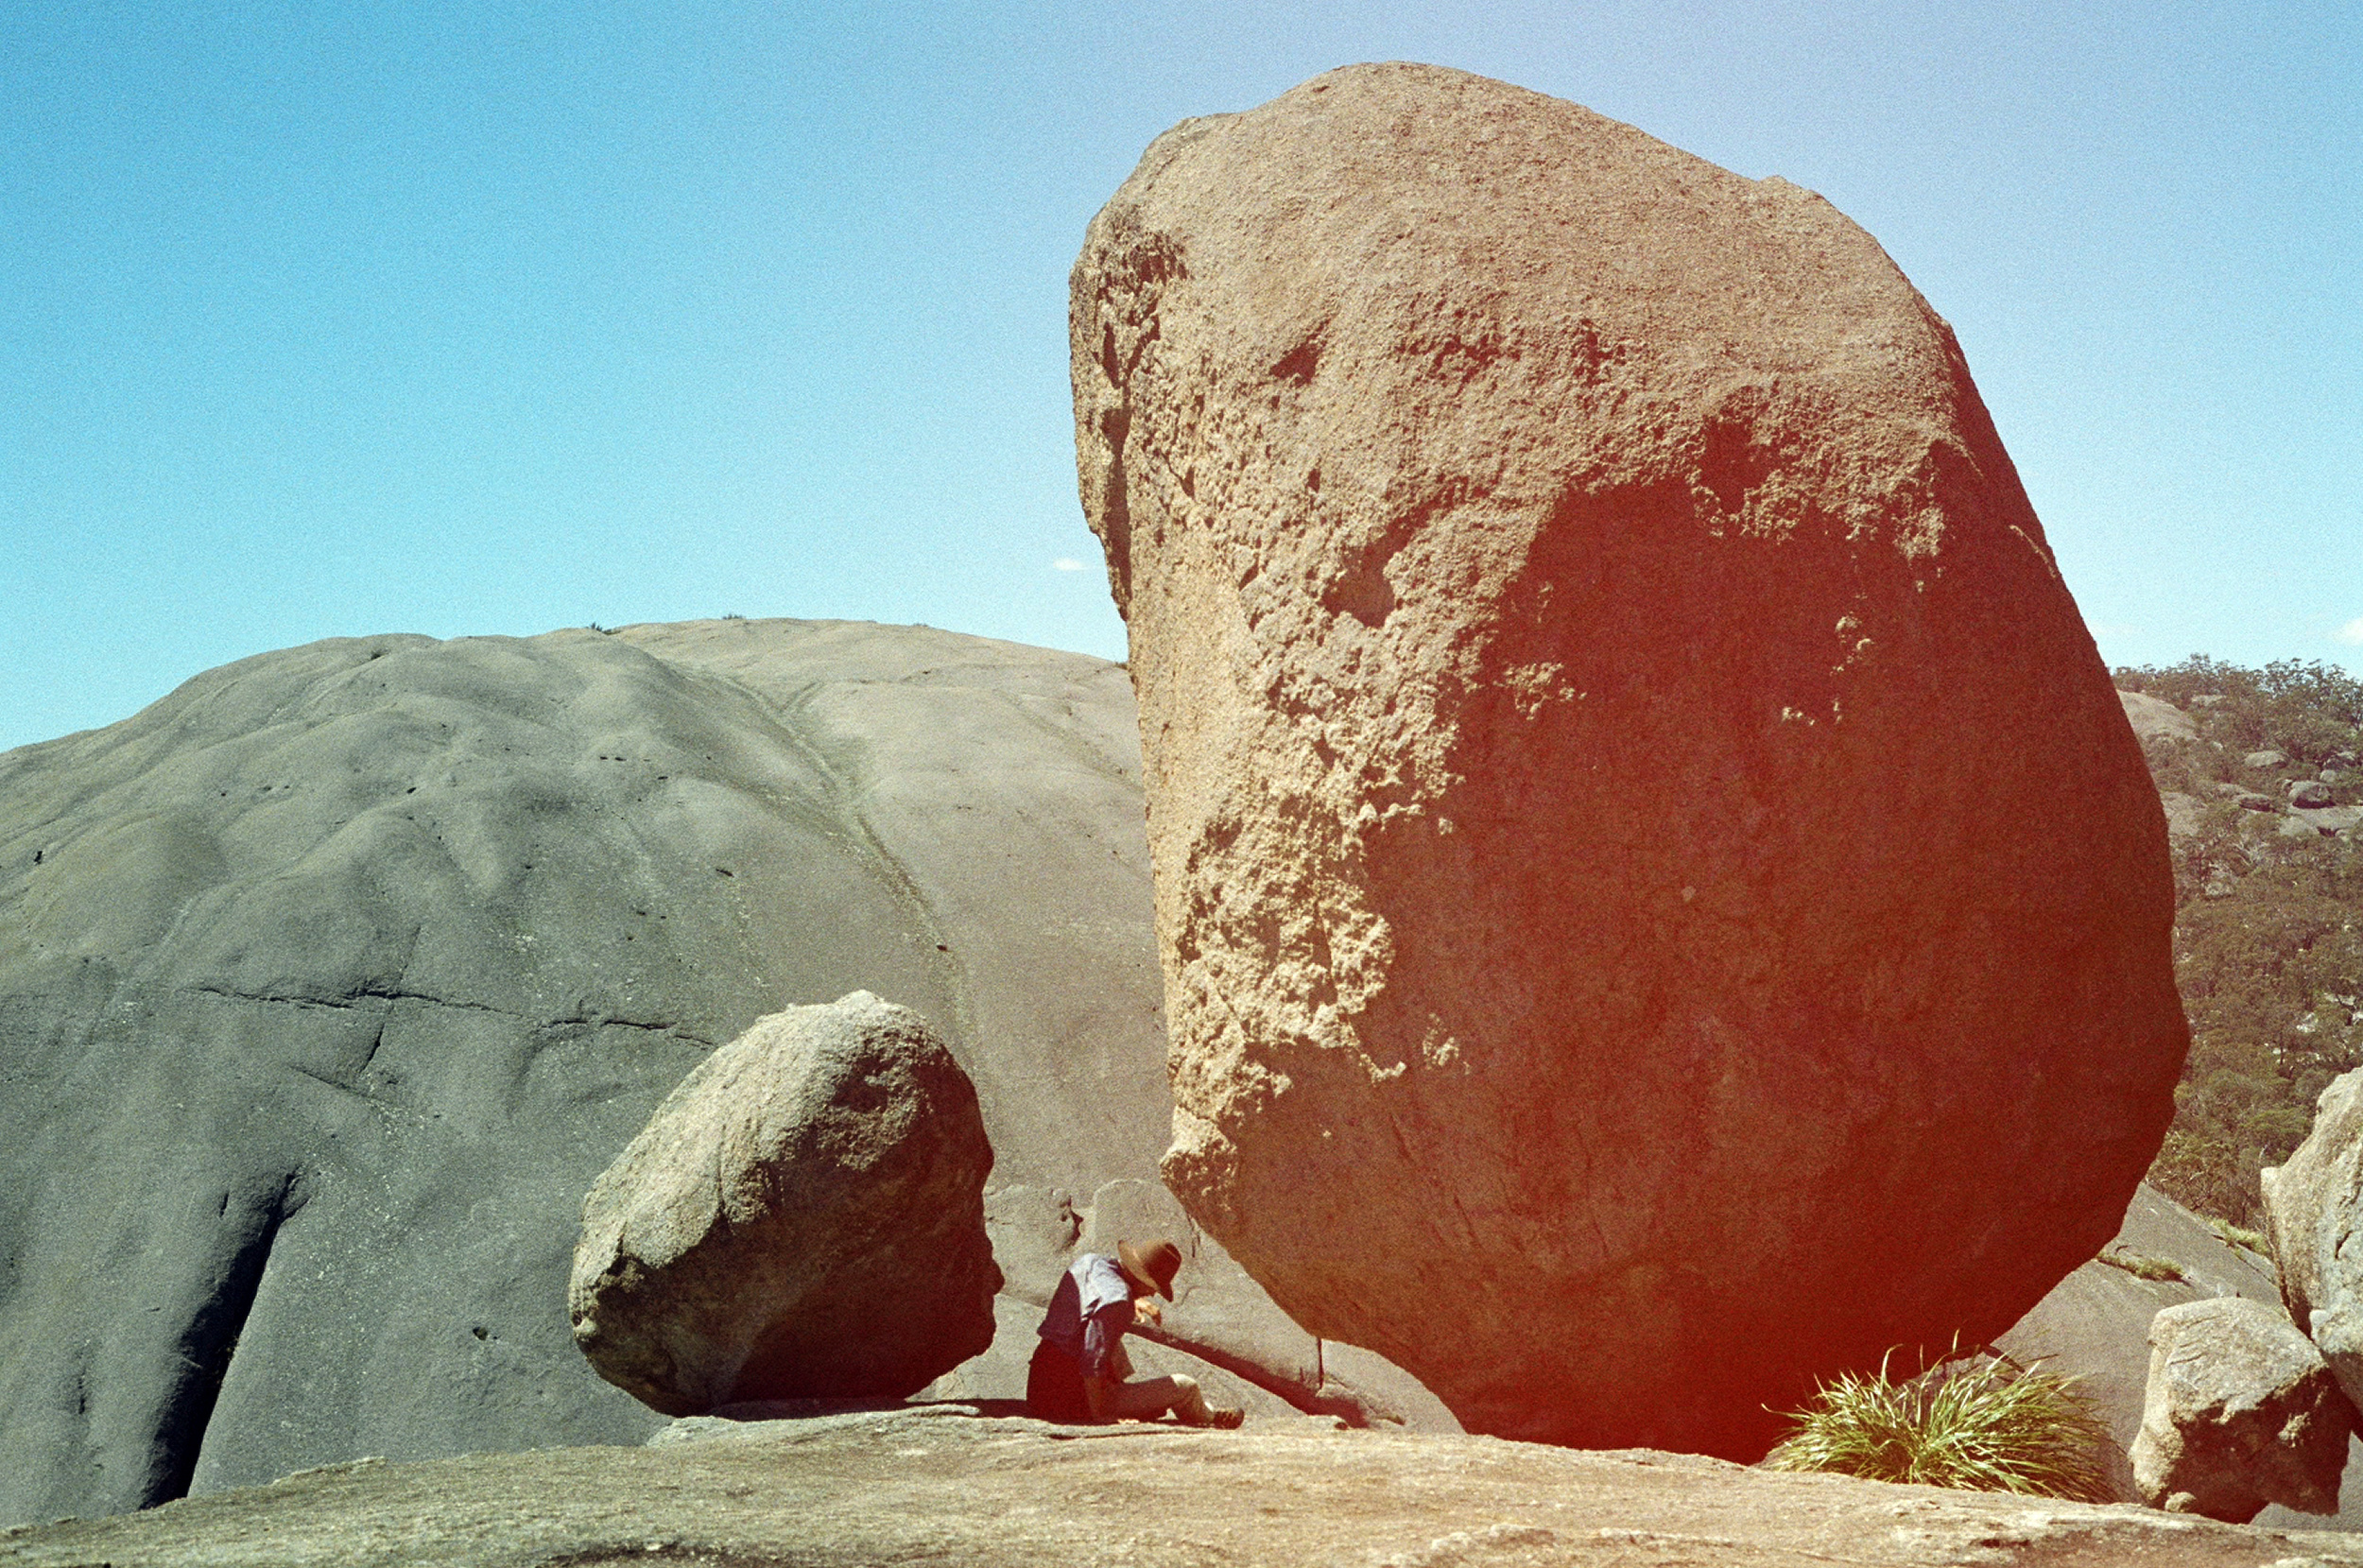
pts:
pixel 2309 711
pixel 2268 928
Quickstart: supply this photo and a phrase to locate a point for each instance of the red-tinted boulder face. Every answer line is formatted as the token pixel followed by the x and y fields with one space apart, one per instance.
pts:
pixel 1627 950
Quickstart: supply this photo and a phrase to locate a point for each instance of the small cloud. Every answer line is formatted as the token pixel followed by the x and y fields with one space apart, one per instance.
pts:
pixel 1068 563
pixel 2352 632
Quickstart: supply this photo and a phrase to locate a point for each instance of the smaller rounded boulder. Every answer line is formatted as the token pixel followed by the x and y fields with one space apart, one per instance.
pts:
pixel 2240 1411
pixel 803 1218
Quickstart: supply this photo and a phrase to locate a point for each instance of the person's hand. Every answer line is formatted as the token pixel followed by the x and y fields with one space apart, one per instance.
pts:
pixel 1145 1312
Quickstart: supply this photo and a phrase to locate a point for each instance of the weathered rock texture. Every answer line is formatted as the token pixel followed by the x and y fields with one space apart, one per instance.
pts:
pixel 803 1217
pixel 944 1486
pixel 331 982
pixel 2154 719
pixel 1625 952
pixel 2241 1412
pixel 2314 1207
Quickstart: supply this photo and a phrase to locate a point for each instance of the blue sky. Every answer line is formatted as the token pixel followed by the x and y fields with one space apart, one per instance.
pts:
pixel 334 319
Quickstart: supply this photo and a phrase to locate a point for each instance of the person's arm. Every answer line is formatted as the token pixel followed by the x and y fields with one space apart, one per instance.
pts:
pixel 1103 1352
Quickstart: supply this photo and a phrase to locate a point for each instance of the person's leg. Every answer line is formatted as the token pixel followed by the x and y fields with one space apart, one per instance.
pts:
pixel 1054 1388
pixel 1146 1399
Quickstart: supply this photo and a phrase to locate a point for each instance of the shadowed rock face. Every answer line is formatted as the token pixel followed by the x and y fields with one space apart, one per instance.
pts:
pixel 329 983
pixel 1627 952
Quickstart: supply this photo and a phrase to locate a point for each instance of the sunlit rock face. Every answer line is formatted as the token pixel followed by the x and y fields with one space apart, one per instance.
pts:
pixel 1603 693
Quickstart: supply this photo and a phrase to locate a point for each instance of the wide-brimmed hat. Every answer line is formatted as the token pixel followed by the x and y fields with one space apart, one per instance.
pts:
pixel 1155 1263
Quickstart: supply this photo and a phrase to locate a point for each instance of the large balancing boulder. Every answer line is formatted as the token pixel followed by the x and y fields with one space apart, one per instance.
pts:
pixel 1602 689
pixel 803 1217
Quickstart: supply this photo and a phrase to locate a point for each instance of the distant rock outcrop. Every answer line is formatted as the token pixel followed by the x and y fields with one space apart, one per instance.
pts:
pixel 2241 1412
pixel 1627 953
pixel 803 1218
pixel 2187 815
pixel 2155 718
pixel 2329 820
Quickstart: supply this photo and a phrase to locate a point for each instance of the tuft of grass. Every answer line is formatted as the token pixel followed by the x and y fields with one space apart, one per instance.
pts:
pixel 1988 1427
pixel 2141 1265
pixel 2240 1236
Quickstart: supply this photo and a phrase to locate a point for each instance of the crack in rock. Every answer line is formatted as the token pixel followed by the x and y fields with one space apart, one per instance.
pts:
pixel 353 1003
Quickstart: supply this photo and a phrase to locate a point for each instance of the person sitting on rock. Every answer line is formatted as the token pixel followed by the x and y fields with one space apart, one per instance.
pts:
pixel 1079 1371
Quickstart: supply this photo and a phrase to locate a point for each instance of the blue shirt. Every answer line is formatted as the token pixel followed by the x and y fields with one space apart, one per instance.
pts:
pixel 1089 1313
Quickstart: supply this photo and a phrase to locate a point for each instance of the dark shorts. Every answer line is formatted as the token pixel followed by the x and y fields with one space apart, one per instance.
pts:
pixel 1054 1387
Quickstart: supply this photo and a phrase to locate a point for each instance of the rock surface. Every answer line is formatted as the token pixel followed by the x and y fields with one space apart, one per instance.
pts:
pixel 868 1489
pixel 2330 821
pixel 2155 718
pixel 2241 1412
pixel 2313 1206
pixel 2187 815
pixel 803 1217
pixel 329 982
pixel 1624 953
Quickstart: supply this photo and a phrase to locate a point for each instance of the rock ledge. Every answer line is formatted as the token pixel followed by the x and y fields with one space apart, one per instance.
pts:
pixel 940 1484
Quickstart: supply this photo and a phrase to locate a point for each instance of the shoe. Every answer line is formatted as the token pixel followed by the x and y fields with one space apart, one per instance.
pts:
pixel 1225 1419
